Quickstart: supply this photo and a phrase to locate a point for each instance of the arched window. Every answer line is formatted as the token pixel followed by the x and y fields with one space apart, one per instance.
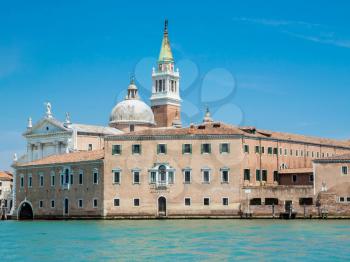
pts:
pixel 162 174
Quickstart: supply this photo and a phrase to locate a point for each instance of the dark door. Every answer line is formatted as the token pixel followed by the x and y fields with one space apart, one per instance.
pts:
pixel 162 206
pixel 66 206
pixel 288 205
pixel 26 211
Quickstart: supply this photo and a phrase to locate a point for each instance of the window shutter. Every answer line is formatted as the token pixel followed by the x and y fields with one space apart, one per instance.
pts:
pixel 158 149
pixel 209 148
pixel 165 147
pixel 190 148
pixel 228 148
pixel 183 148
pixel 221 145
pixel 202 147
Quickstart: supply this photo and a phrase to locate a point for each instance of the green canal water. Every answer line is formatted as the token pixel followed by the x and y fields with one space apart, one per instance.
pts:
pixel 175 240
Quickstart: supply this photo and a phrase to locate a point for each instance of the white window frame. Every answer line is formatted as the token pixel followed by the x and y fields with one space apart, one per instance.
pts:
pixel 82 203
pixel 190 201
pixel 209 201
pixel 222 175
pixel 203 170
pixel 95 171
pixel 41 176
pixel 133 202
pixel 342 171
pixel 21 181
pixel 30 177
pixel 116 198
pixel 133 176
pixel 184 175
pixel 120 176
pixel 52 179
pixel 81 173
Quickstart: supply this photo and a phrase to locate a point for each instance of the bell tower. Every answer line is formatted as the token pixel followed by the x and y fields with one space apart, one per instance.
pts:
pixel 165 99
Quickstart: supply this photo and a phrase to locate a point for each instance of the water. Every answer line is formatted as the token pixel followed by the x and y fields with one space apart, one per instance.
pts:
pixel 180 240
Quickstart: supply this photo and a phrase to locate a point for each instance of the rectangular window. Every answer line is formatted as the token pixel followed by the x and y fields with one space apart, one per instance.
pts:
pixel 30 181
pixel 116 149
pixel 225 201
pixel 52 203
pixel 80 203
pixel 264 175
pixel 71 178
pixel 187 201
pixel 41 181
pixel 171 177
pixel 206 201
pixel 281 151
pixel 246 174
pixel 344 170
pixel 311 178
pixel 81 178
pixel 205 148
pixel 341 199
pixel 187 176
pixel 269 150
pixel 246 149
pixel 95 203
pixel 116 202
pixel 206 176
pixel 318 154
pixel 153 176
pixel 52 182
pixel 22 181
pixel 224 176
pixel 262 150
pixel 257 149
pixel 286 152
pixel 294 178
pixel 186 149
pixel 297 152
pixel 275 176
pixel 291 152
pixel 95 177
pixel 90 147
pixel 136 177
pixel 258 175
pixel 136 202
pixel 224 148
pixel 116 177
pixel 62 179
pixel 41 204
pixel 161 149
pixel 136 149
pixel 275 151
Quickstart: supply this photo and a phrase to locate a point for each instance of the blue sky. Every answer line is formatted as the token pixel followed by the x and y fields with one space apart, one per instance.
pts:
pixel 279 66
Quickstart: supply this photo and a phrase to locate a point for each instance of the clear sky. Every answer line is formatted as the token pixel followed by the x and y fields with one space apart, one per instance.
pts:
pixel 278 65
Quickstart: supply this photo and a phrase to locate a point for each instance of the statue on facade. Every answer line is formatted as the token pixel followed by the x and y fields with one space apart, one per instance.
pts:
pixel 48 110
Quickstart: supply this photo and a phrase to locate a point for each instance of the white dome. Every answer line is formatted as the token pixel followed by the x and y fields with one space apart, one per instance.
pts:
pixel 132 111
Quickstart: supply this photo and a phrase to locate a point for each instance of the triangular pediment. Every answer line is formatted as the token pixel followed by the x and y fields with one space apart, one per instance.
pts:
pixel 47 126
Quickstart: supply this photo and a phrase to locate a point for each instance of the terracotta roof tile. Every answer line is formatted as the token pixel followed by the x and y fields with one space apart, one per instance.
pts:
pixel 82 156
pixel 218 128
pixel 5 176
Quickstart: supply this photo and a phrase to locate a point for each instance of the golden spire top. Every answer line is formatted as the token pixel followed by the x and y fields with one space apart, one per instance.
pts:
pixel 165 55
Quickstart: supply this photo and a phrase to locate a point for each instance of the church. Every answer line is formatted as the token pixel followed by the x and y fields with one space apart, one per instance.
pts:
pixel 146 164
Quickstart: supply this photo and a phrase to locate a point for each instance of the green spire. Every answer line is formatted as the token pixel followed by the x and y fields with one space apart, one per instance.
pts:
pixel 165 54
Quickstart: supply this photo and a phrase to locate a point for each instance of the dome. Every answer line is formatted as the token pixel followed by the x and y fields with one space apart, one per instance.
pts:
pixel 132 111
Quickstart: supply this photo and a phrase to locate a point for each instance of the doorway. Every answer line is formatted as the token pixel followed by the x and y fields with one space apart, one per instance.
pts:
pixel 25 212
pixel 162 206
pixel 66 206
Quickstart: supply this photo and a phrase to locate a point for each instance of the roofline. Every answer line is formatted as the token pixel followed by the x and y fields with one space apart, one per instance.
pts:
pixel 127 137
pixel 57 164
pixel 329 161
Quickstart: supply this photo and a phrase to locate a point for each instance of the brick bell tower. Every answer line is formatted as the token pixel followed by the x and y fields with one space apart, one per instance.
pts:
pixel 165 99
